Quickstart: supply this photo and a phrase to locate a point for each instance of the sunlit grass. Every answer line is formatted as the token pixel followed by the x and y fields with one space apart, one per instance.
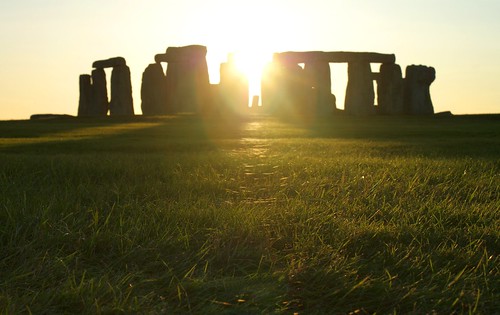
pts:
pixel 179 215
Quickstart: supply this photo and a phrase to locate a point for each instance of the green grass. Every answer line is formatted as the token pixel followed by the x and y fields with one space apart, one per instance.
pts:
pixel 182 215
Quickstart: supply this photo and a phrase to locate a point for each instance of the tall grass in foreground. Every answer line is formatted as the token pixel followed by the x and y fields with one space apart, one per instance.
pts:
pixel 181 215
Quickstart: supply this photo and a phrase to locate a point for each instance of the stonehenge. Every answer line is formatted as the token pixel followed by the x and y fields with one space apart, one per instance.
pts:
pixel 334 56
pixel 395 94
pixel 313 91
pixel 93 90
pixel 296 84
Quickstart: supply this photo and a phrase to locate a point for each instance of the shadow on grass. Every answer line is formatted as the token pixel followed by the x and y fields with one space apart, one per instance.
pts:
pixel 458 136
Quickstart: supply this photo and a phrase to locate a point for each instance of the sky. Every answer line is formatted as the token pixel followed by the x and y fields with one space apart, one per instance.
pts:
pixel 46 44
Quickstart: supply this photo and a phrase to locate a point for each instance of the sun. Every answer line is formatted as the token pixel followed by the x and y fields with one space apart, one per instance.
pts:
pixel 248 61
pixel 248 33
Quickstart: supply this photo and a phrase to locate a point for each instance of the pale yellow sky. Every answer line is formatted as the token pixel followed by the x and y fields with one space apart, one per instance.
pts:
pixel 47 44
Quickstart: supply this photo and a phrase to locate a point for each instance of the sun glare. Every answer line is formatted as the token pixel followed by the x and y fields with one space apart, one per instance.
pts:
pixel 250 42
pixel 251 64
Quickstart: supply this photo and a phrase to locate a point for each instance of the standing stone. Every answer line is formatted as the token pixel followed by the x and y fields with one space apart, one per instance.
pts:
pixel 85 101
pixel 295 91
pixel 417 94
pixel 202 86
pixel 121 92
pixel 188 85
pixel 99 102
pixel 171 83
pixel 360 96
pixel 285 89
pixel 153 91
pixel 390 89
pixel 299 92
pixel 319 75
pixel 181 79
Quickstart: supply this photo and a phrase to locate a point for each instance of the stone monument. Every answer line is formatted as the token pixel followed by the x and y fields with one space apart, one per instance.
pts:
pixel 417 94
pixel 95 102
pixel 154 91
pixel 187 81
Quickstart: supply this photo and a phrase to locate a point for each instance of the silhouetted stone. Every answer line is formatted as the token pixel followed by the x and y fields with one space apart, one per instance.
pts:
pixel 286 90
pixel 85 100
pixel 51 117
pixel 233 88
pixel 201 84
pixel 311 91
pixel 333 56
pixel 390 87
pixel 121 92
pixel 294 91
pixel 188 86
pixel 359 98
pixel 109 63
pixel 182 54
pixel 99 105
pixel 319 76
pixel 153 91
pixel 417 95
pixel 172 83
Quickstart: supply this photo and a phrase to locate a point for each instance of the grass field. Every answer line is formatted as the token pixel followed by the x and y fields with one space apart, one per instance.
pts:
pixel 181 215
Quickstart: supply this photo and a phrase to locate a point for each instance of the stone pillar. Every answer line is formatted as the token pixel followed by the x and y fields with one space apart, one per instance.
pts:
pixel 121 92
pixel 417 94
pixel 290 94
pixel 109 63
pixel 285 88
pixel 185 94
pixel 319 75
pixel 299 92
pixel 171 83
pixel 85 101
pixel 390 89
pixel 360 96
pixel 202 86
pixel 153 91
pixel 99 93
pixel 188 85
